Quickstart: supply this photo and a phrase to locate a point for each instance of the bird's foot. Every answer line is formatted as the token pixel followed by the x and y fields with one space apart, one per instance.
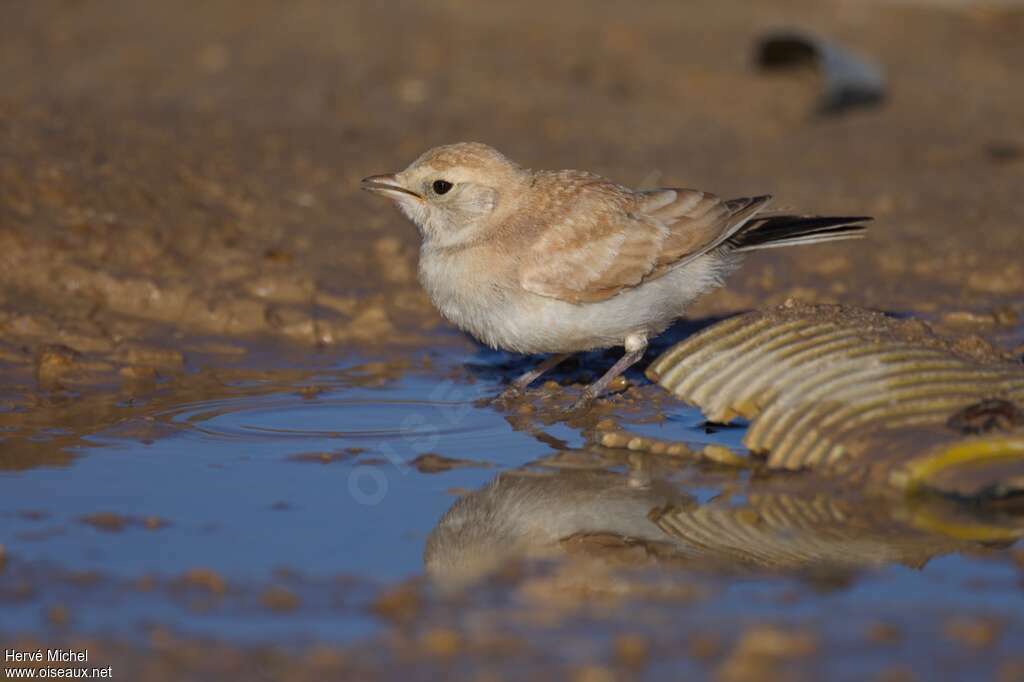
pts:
pixel 503 399
pixel 580 406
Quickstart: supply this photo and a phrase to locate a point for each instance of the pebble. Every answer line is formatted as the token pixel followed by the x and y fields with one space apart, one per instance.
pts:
pixel 55 362
pixel 975 632
pixel 632 650
pixel 442 642
pixel 722 455
pixel 279 599
pixel 205 579
pixel 398 604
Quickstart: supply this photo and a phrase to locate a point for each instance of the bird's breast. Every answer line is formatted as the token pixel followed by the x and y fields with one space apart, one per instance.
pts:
pixel 468 290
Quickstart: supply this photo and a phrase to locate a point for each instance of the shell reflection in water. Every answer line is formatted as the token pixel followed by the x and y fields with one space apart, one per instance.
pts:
pixel 848 390
pixel 777 528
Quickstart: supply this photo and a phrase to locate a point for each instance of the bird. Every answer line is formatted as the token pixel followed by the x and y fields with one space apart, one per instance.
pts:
pixel 529 514
pixel 566 261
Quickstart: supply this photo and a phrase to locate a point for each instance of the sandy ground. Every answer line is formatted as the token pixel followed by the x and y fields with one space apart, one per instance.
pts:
pixel 179 181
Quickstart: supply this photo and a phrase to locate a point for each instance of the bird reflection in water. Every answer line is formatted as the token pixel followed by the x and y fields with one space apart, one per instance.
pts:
pixel 772 526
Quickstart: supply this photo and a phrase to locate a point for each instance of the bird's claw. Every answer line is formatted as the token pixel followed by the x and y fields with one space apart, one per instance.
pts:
pixel 503 399
pixel 580 406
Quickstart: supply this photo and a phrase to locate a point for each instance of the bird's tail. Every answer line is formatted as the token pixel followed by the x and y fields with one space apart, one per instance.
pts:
pixel 771 231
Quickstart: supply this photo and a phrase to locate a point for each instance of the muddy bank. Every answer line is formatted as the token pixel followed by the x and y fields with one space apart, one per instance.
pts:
pixel 197 176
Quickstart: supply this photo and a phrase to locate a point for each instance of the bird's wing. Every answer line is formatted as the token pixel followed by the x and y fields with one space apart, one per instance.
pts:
pixel 697 221
pixel 608 238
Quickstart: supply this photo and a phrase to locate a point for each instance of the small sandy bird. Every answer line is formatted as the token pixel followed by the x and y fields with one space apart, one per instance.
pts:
pixel 566 261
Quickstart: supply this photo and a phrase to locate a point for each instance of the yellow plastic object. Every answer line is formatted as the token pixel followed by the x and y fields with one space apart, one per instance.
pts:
pixel 918 472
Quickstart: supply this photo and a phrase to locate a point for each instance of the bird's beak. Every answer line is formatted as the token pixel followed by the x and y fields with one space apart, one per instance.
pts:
pixel 386 185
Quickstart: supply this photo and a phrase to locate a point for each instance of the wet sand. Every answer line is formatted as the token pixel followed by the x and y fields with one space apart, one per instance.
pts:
pixel 207 332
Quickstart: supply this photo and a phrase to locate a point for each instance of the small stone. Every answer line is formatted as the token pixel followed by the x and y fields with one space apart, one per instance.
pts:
pixel 768 641
pixel 412 91
pixel 592 673
pixel 968 318
pixel 1010 670
pixel 883 633
pixel 319 457
pixel 1006 317
pixel 433 463
pixel 279 599
pixel 722 455
pixel 145 583
pixel 372 324
pixel 154 523
pixel 975 632
pixel 205 579
pixel 997 280
pixel 704 646
pixel 614 440
pixel 275 255
pixel 138 373
pixel 55 362
pixel 58 615
pixel 400 603
pixel 147 357
pixel 524 409
pixel 632 650
pixel 441 642
pixel 106 521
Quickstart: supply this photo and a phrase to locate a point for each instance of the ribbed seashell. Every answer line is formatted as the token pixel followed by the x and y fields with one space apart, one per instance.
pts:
pixel 824 385
pixel 780 532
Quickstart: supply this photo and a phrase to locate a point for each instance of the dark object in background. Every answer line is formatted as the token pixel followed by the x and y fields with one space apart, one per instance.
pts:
pixel 849 81
pixel 1005 152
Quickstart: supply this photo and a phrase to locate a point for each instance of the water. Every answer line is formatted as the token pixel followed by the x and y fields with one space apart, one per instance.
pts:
pixel 240 489
pixel 306 483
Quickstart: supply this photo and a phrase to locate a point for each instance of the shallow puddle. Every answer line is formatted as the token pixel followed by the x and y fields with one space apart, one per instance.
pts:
pixel 318 479
pixel 282 510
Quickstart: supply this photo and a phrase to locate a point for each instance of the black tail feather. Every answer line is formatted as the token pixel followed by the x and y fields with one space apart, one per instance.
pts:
pixel 789 230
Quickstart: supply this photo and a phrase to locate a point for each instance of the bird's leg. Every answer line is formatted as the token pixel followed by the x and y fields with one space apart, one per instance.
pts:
pixel 521 383
pixel 636 345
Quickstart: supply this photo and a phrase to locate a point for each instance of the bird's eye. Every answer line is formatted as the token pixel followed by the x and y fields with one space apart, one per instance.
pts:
pixel 441 186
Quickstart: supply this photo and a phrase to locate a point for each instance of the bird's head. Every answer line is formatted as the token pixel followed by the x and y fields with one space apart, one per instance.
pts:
pixel 450 191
